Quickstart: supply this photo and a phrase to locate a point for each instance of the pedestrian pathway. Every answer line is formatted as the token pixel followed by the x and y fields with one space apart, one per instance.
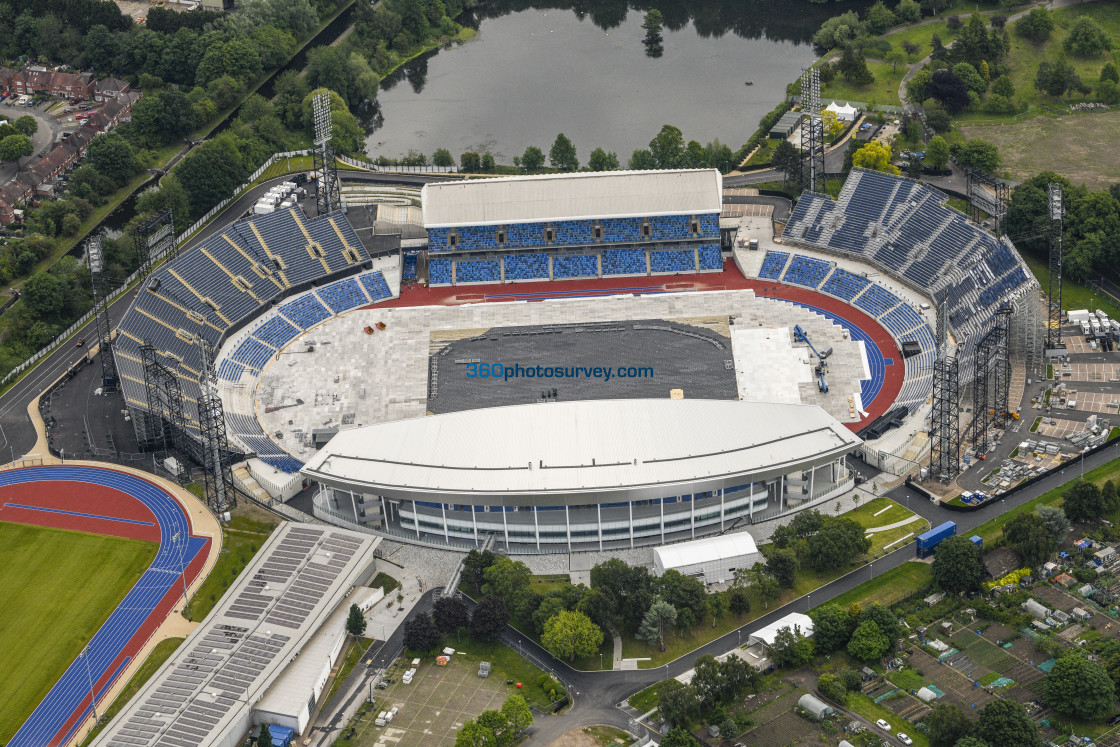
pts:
pixel 895 525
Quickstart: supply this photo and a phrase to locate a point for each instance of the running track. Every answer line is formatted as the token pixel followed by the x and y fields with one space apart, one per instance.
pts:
pixel 103 501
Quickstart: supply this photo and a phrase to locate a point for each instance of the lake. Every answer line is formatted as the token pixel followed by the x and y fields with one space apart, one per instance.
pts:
pixel 534 71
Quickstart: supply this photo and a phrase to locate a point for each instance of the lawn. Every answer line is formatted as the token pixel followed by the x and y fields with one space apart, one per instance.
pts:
pixel 1074 295
pixel 58 588
pixel 871 711
pixel 505 663
pixel 647 699
pixel 385 581
pixel 242 536
pixel 922 36
pixel 161 653
pixel 889 586
pixel 884 91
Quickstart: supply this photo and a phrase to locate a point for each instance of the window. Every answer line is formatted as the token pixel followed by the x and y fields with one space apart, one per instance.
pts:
pixel 452 239
pixel 694 227
pixel 647 230
pixel 597 231
pixel 550 234
pixel 501 236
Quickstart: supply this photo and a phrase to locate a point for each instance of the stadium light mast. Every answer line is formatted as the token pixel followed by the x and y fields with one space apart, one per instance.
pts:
pixel 327 199
pixel 1054 294
pixel 945 437
pixel 84 656
pixel 812 131
pixel 101 321
pixel 216 467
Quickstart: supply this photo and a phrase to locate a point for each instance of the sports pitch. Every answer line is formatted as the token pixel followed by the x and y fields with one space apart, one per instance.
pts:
pixel 58 588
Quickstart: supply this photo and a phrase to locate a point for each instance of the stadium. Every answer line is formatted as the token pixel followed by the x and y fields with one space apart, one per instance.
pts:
pixel 573 362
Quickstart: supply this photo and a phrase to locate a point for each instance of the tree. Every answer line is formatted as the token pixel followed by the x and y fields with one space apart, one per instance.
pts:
pixel 659 618
pixel 475 565
pixel 264 737
pixel 947 724
pixel 956 565
pixel 868 644
pixel 838 30
pixel 879 18
pixel 782 565
pixel 562 154
pixel 978 154
pixel 449 614
pixel 739 602
pixel 442 157
pixel 1079 688
pixel 883 617
pixel 767 588
pixel 627 591
pixel 641 160
pixel 1003 87
pixel 790 648
pixel 1083 501
pixel 44 295
pixel 486 164
pixel 602 160
pixel 949 90
pixel 937 153
pixel 1087 38
pixel 1006 722
pixel 786 159
pixel 420 633
pixel 470 162
pixel 532 159
pixel 908 11
pixel 876 157
pixel 853 67
pixel 517 713
pixel 1108 92
pixel 489 618
pixel 917 88
pixel 473 734
pixel 355 622
pixel 652 24
pixel 678 703
pixel 895 58
pixel 971 741
pixel 508 579
pixel 26 125
pixel 549 608
pixel 840 540
pixel 831 628
pixel 973 80
pixel 570 634
pixel 832 687
pixel 678 737
pixel 15 147
pixel 718 606
pixel 1028 535
pixel 1055 520
pixel 1035 25
pixel 1056 77
pixel 667 147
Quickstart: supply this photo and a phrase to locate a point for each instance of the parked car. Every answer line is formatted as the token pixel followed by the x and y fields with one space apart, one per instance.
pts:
pixel 3 96
pixel 883 725
pixel 905 739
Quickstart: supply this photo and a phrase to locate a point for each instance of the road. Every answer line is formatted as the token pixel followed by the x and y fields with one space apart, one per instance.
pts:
pixel 41 141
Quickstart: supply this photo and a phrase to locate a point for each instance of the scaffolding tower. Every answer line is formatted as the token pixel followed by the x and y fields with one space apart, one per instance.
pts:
pixel 216 466
pixel 812 131
pixel 992 382
pixel 987 195
pixel 102 287
pixel 155 240
pixel 1054 317
pixel 324 163
pixel 944 435
pixel 164 422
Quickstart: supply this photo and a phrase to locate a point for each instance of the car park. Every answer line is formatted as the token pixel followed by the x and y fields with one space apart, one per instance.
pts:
pixel 883 725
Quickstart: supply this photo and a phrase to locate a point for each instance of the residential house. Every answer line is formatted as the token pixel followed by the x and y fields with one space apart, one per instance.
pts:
pixel 110 88
pixel 38 80
pixel 114 112
pixel 38 179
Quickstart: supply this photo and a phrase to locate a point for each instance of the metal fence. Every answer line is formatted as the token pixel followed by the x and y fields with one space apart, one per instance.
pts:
pixel 398 169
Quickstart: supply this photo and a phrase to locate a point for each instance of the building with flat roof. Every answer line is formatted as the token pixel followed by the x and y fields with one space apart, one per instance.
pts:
pixel 209 691
pixel 713 559
pixel 583 475
pixel 556 226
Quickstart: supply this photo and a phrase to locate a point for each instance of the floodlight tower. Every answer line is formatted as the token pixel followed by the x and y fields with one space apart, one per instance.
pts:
pixel 812 131
pixel 102 323
pixel 1054 318
pixel 326 187
pixel 945 438
pixel 217 471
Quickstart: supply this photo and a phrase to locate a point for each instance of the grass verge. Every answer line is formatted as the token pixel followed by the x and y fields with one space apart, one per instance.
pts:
pixel 161 653
pixel 353 655
pixel 889 586
pixel 647 699
pixel 58 588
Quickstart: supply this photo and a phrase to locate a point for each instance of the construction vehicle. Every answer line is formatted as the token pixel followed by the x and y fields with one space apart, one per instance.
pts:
pixel 822 367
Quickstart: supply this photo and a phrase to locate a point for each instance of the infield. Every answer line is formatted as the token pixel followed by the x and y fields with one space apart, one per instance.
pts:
pixel 58 588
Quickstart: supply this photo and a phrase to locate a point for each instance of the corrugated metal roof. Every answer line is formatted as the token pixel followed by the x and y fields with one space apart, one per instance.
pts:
pixel 572 447
pixel 723 547
pixel 556 197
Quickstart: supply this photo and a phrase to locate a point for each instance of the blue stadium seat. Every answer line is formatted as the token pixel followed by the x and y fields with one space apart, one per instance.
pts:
pixel 439 271
pixel 375 285
pixel 843 284
pixel 773 264
pixel 305 311
pixel 526 266
pixel 624 262
pixel 575 266
pixel 711 257
pixel 277 332
pixel 477 271
pixel 681 260
pixel 806 271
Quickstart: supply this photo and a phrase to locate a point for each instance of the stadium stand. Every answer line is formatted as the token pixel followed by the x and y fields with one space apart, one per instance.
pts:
pixel 575 266
pixel 624 262
pixel 806 271
pixel 773 264
pixel 526 266
pixel 711 257
pixel 222 283
pixel 844 285
pixel 478 271
pixel 681 260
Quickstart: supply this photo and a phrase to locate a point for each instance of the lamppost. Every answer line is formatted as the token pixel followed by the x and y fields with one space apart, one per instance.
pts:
pixel 182 570
pixel 600 660
pixel 92 700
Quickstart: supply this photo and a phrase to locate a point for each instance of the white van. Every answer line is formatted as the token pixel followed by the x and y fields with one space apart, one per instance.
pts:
pixel 380 720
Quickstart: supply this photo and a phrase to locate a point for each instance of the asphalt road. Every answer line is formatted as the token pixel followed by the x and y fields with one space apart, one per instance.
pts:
pixel 41 141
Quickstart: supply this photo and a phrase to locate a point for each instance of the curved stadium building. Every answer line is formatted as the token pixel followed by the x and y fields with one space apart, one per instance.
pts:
pixel 583 475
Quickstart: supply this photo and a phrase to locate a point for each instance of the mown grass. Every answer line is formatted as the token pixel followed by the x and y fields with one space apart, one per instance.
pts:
pixel 883 91
pixel 870 710
pixel 647 699
pixel 353 655
pixel 1074 294
pixel 58 588
pixel 505 664
pixel 889 586
pixel 161 653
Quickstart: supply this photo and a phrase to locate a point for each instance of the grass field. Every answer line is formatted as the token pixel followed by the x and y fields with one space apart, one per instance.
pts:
pixel 884 91
pixel 58 588
pixel 1074 295
pixel 1070 145
pixel 889 586
pixel 160 654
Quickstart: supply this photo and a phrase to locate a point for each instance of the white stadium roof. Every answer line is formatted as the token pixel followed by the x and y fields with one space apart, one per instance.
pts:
pixel 564 448
pixel 580 196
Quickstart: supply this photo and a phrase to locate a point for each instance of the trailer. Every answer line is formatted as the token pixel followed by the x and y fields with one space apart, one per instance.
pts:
pixel 930 540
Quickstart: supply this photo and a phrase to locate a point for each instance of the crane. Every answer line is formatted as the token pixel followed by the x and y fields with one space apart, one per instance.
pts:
pixel 821 368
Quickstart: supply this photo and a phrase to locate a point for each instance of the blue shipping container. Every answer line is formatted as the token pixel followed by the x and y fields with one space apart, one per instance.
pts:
pixel 281 735
pixel 928 541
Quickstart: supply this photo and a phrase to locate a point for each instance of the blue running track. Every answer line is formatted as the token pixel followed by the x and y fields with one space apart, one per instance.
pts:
pixel 68 701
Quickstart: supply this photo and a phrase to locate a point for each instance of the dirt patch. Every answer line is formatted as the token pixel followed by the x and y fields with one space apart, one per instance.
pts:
pixel 575 738
pixel 1070 145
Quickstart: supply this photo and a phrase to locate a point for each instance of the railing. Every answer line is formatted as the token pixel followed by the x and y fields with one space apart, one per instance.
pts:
pixel 398 169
